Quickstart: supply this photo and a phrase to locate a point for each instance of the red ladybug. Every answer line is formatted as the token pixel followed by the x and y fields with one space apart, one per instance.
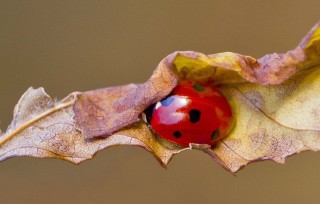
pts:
pixel 193 113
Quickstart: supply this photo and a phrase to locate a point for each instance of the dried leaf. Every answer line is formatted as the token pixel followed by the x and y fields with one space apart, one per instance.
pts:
pixel 104 111
pixel 44 128
pixel 273 122
pixel 273 98
pixel 250 86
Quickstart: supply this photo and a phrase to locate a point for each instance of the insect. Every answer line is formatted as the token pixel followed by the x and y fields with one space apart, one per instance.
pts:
pixel 192 113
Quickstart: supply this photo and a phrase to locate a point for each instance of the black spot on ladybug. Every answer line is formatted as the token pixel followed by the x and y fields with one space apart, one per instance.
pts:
pixel 194 115
pixel 167 101
pixel 215 134
pixel 177 134
pixel 198 87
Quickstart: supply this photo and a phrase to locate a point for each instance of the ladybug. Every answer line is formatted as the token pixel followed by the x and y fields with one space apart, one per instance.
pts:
pixel 192 113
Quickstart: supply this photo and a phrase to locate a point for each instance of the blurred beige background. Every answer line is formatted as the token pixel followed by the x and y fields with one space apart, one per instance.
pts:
pixel 68 46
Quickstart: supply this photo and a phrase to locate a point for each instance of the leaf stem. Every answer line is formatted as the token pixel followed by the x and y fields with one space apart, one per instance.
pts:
pixel 10 135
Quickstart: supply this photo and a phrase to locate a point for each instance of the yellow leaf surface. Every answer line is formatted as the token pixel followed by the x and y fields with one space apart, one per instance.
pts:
pixel 272 122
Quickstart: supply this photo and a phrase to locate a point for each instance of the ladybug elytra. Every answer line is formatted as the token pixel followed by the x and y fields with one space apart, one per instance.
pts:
pixel 192 113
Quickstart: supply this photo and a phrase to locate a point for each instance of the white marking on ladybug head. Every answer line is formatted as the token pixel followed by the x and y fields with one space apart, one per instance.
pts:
pixel 158 105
